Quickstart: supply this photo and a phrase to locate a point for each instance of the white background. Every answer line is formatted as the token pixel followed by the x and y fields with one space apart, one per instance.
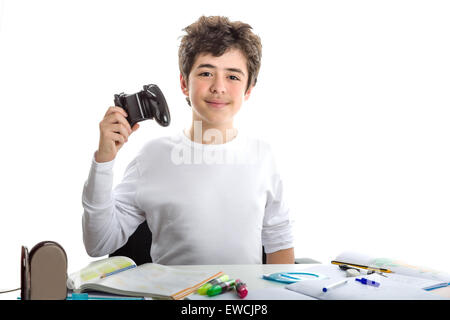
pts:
pixel 352 95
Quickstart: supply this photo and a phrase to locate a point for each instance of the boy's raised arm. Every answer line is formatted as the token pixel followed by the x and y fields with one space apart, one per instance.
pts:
pixel 110 217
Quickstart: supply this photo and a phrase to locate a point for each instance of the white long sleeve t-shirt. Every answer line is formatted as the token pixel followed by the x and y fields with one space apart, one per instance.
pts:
pixel 204 204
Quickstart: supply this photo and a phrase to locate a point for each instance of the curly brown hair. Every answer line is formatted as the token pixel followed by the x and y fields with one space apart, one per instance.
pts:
pixel 215 35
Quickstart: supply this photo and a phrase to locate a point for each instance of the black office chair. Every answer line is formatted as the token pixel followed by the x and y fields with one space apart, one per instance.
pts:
pixel 139 243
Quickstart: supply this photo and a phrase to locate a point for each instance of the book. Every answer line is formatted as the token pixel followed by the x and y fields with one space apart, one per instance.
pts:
pixel 121 276
pixel 395 266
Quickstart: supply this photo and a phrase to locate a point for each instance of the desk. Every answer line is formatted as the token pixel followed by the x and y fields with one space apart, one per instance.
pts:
pixel 250 274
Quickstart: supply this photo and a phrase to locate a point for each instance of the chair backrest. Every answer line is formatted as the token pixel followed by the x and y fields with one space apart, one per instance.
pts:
pixel 139 243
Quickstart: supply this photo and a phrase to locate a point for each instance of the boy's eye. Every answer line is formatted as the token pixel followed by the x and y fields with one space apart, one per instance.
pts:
pixel 209 74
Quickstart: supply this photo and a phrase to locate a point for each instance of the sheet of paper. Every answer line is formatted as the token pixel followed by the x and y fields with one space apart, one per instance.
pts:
pixel 353 290
pixel 334 272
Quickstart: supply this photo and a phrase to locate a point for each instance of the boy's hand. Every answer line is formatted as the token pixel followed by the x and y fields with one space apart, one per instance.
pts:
pixel 114 132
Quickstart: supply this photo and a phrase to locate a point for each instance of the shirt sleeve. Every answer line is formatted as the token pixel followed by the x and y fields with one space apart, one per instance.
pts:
pixel 110 216
pixel 277 225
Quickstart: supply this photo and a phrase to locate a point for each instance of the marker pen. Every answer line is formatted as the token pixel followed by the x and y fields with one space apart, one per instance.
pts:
pixel 221 288
pixel 334 285
pixel 204 289
pixel 368 282
pixel 241 289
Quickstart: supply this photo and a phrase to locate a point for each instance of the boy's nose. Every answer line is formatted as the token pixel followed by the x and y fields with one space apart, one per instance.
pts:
pixel 218 86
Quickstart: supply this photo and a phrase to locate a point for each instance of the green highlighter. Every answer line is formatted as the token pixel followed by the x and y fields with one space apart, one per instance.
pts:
pixel 204 289
pixel 221 288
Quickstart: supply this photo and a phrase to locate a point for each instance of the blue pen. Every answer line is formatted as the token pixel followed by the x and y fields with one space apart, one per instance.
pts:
pixel 368 282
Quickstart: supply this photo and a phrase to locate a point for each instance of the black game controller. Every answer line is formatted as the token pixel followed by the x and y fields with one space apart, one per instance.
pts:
pixel 144 105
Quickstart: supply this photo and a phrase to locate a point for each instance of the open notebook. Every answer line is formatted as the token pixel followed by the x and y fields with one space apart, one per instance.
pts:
pixel 120 275
pixel 395 265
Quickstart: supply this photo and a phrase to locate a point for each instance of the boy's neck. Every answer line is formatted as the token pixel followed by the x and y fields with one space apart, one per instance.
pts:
pixel 201 132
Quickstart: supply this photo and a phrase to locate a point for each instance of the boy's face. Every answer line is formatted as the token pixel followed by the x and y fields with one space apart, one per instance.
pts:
pixel 216 87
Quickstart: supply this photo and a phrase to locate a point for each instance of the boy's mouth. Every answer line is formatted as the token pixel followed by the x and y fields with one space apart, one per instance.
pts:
pixel 217 103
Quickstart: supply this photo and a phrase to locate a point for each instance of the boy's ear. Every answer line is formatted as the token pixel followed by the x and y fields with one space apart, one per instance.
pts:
pixel 247 94
pixel 184 86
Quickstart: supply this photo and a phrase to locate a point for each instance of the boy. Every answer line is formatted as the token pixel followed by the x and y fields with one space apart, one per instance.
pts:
pixel 209 195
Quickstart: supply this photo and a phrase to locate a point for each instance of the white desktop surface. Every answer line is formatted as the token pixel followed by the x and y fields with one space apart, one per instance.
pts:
pixel 251 275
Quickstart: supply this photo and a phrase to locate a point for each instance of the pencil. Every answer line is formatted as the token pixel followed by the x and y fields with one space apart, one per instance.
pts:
pixel 361 267
pixel 116 271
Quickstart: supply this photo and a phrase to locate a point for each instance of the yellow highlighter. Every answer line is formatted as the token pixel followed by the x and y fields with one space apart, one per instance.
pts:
pixel 204 289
